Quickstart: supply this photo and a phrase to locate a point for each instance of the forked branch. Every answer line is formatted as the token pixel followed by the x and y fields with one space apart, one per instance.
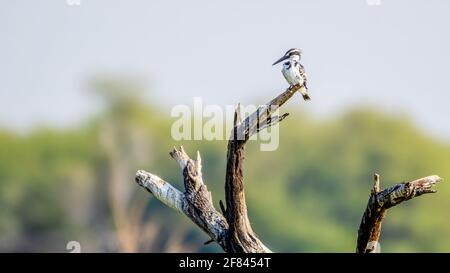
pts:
pixel 380 201
pixel 241 234
pixel 196 202
pixel 232 232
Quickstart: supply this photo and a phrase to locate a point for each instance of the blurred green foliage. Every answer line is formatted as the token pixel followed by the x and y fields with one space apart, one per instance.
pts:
pixel 307 196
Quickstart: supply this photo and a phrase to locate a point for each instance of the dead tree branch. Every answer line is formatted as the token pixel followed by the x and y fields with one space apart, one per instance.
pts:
pixel 380 201
pixel 232 229
pixel 240 233
pixel 196 202
pixel 232 232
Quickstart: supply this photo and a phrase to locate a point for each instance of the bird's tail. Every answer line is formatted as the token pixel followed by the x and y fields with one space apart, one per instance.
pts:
pixel 305 94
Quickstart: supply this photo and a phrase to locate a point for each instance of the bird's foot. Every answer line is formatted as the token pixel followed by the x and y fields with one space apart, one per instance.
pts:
pixel 294 87
pixel 298 86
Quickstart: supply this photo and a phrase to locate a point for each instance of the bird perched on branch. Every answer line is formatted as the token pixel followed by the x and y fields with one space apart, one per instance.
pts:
pixel 294 72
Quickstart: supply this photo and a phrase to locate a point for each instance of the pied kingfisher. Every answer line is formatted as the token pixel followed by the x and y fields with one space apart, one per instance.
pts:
pixel 294 72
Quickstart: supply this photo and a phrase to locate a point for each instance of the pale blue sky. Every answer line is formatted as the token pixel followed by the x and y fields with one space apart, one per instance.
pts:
pixel 393 56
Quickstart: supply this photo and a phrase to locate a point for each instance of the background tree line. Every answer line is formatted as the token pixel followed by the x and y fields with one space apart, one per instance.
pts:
pixel 58 185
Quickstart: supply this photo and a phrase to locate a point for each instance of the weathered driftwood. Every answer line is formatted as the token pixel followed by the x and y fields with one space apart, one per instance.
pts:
pixel 232 229
pixel 379 201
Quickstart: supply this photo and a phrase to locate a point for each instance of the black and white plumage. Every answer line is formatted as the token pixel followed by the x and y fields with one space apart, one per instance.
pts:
pixel 294 72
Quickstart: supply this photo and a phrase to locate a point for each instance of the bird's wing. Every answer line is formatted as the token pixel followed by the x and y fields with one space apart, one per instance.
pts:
pixel 303 74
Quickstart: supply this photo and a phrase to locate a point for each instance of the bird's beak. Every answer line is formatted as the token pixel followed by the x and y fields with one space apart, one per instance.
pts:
pixel 281 59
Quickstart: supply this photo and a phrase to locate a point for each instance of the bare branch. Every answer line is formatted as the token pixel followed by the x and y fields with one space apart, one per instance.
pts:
pixel 245 129
pixel 233 233
pixel 241 235
pixel 162 190
pixel 376 184
pixel 269 122
pixel 379 201
pixel 196 203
